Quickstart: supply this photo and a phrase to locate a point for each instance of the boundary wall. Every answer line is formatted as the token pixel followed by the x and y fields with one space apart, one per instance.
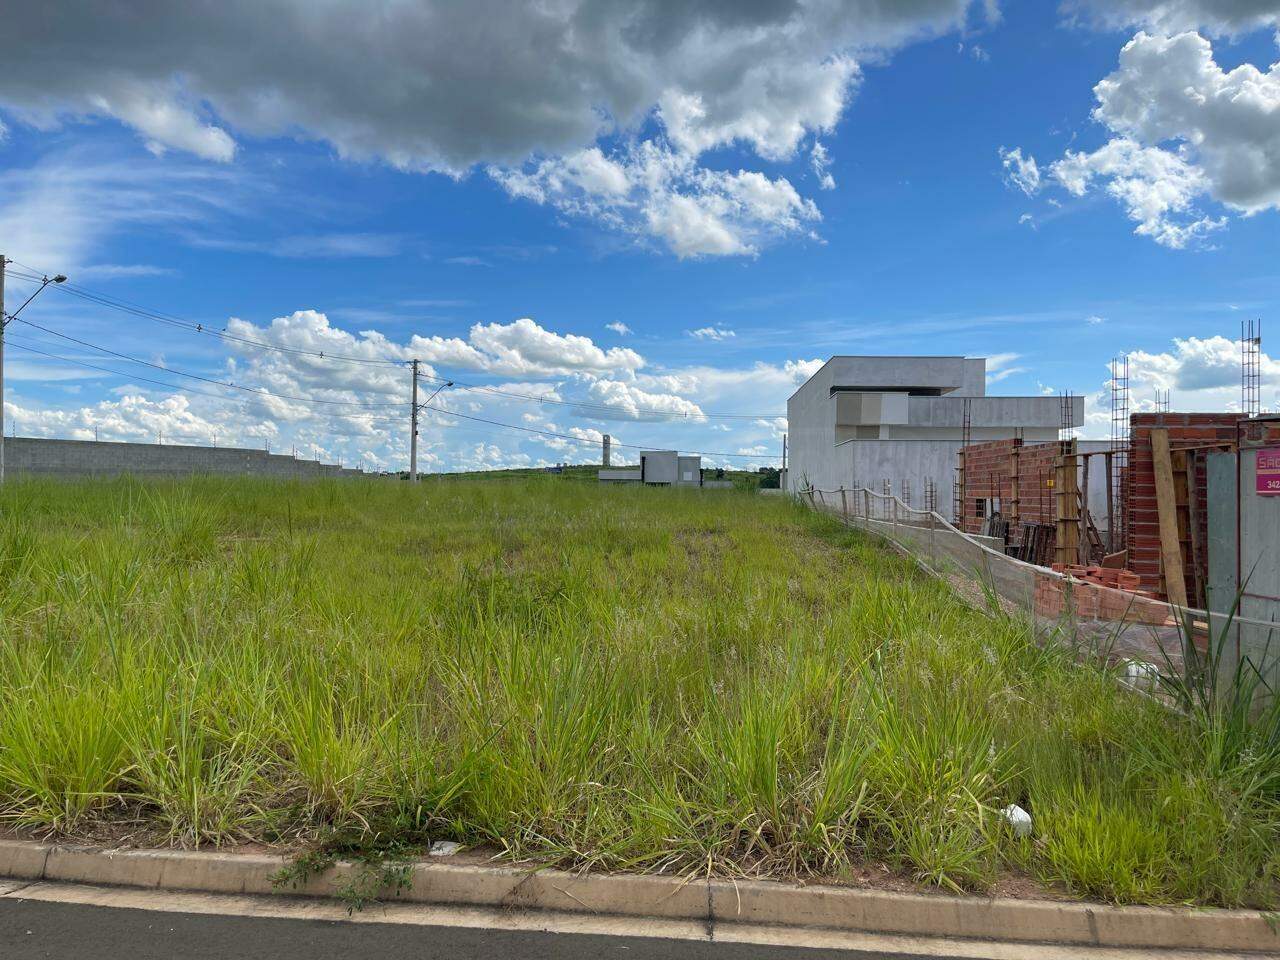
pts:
pixel 39 456
pixel 1093 619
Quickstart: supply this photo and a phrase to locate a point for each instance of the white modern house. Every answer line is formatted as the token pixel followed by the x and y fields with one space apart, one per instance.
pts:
pixel 660 467
pixel 868 421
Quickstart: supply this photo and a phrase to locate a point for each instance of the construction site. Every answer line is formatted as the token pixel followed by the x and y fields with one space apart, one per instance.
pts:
pixel 1172 523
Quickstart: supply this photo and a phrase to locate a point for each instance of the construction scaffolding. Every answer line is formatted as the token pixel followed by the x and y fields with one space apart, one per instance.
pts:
pixel 1250 367
pixel 1118 458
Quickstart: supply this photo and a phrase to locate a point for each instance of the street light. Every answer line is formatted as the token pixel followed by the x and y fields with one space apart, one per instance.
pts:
pixel 5 319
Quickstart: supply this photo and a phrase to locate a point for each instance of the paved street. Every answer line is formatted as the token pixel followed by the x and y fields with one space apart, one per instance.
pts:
pixel 36 930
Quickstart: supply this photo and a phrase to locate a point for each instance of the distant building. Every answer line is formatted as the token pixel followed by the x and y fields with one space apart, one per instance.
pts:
pixel 898 422
pixel 660 467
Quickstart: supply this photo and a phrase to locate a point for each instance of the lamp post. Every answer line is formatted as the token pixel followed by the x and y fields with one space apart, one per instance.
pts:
pixel 413 421
pixel 5 318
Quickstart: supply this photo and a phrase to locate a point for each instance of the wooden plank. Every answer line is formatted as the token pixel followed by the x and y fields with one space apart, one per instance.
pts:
pixel 1175 584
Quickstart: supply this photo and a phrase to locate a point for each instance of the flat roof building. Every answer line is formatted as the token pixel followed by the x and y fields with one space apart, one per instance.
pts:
pixel 660 467
pixel 868 421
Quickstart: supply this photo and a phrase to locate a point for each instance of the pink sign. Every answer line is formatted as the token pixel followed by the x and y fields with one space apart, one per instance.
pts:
pixel 1268 471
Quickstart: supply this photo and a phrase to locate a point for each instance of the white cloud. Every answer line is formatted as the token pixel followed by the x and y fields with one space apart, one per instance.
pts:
pixel 1025 219
pixel 712 333
pixel 1199 374
pixel 134 416
pixel 114 271
pixel 618 327
pixel 1184 131
pixel 438 86
pixel 1095 320
pixel 517 349
pixel 820 160
pixel 1000 366
pixel 59 213
pixel 1022 172
pixel 1173 16
pixel 649 189
pixel 1198 364
pixel 631 402
pixel 1171 89
pixel 1158 189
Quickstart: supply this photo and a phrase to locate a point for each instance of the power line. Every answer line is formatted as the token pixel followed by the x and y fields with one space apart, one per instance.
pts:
pixel 566 436
pixel 370 419
pixel 588 404
pixel 135 310
pixel 256 391
pixel 22 345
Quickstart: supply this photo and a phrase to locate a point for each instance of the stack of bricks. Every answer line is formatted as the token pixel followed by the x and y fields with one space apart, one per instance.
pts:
pixel 1200 431
pixel 1084 600
pixel 1114 577
pixel 988 473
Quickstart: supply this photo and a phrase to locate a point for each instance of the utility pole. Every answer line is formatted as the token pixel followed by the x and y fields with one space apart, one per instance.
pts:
pixel 413 433
pixel 783 484
pixel 415 408
pixel 4 322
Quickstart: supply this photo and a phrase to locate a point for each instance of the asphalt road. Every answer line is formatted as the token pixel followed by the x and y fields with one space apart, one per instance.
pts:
pixel 31 929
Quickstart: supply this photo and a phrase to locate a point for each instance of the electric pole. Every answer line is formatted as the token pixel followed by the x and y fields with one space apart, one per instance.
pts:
pixel 4 322
pixel 415 408
pixel 413 433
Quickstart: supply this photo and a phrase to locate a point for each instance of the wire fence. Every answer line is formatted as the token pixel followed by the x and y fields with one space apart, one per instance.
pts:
pixel 1095 619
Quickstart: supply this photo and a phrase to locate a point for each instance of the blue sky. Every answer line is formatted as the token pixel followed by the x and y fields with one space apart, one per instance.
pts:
pixel 654 215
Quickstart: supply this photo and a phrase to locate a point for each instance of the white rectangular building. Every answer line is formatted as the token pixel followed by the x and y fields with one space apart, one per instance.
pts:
pixel 865 421
pixel 661 468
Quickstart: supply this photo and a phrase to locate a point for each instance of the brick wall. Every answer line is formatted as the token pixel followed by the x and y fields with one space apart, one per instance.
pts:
pixel 1187 431
pixel 989 469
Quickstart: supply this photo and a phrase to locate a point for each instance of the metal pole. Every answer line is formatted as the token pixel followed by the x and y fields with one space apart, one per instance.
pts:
pixel 413 439
pixel 784 462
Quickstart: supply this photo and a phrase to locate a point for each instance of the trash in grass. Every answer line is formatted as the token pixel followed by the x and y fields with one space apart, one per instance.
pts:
pixel 1019 819
pixel 444 848
pixel 1138 673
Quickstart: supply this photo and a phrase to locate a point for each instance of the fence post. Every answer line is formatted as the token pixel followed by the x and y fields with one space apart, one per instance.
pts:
pixel 844 506
pixel 866 504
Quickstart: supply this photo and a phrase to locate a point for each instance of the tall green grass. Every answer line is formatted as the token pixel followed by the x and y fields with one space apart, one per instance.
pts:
pixel 664 680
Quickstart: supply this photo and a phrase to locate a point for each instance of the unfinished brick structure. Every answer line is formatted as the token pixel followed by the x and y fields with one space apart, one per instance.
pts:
pixel 1018 475
pixel 1191 436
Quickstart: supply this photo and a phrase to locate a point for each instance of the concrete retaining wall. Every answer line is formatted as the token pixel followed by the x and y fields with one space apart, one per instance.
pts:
pixel 92 458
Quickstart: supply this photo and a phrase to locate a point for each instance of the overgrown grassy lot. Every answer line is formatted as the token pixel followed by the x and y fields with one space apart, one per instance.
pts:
pixel 683 681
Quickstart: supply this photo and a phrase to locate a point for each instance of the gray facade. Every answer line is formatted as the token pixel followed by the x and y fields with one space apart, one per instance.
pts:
pixel 862 421
pixel 661 467
pixel 39 456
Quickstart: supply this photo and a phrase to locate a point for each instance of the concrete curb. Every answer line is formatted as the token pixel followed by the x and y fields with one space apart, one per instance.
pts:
pixel 758 902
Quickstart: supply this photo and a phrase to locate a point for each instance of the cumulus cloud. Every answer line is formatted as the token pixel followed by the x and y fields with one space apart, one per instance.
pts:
pixel 1184 131
pixel 1171 89
pixel 627 401
pixel 652 190
pixel 1198 364
pixel 1158 188
pixel 712 333
pixel 438 86
pixel 618 327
